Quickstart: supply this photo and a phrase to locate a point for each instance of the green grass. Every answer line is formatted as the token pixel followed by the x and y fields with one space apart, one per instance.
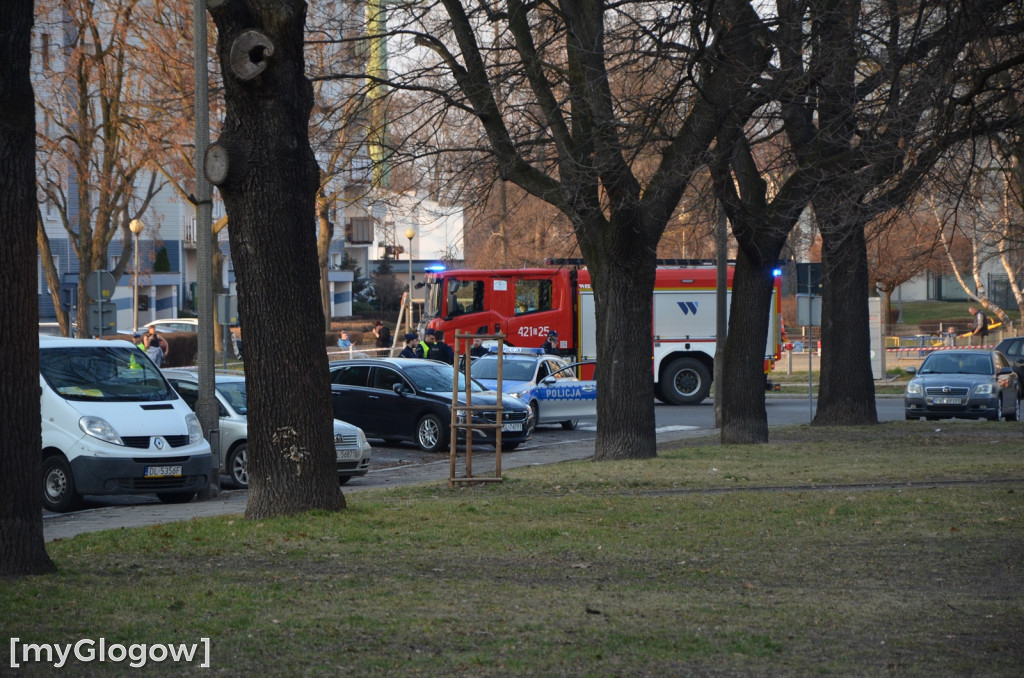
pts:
pixel 886 550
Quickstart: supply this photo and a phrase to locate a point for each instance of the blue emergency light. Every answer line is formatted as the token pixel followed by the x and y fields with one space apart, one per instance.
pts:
pixel 520 350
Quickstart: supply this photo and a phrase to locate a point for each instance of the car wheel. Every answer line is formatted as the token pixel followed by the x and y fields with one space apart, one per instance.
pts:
pixel 175 497
pixel 685 382
pixel 344 479
pixel 570 424
pixel 59 494
pixel 1015 414
pixel 238 466
pixel 430 434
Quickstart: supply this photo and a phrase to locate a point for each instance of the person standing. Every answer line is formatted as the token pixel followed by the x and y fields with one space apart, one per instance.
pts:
pixel 551 345
pixel 154 349
pixel 428 341
pixel 979 327
pixel 411 341
pixel 439 350
pixel 154 342
pixel 382 335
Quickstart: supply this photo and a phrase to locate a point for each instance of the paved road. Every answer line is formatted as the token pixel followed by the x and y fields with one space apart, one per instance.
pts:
pixel 402 465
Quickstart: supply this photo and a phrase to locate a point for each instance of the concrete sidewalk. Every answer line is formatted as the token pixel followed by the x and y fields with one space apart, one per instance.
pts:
pixel 65 525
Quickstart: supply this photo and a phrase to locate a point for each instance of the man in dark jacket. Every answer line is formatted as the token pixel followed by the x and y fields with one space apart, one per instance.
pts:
pixel 439 350
pixel 409 351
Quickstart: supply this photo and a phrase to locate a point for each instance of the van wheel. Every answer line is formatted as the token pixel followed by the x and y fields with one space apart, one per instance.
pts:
pixel 685 381
pixel 344 479
pixel 238 466
pixel 59 494
pixel 175 497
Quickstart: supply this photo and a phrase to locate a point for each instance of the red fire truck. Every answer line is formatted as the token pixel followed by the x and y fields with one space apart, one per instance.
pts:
pixel 525 304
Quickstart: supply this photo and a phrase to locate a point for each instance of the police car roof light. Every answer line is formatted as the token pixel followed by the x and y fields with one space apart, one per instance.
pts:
pixel 521 350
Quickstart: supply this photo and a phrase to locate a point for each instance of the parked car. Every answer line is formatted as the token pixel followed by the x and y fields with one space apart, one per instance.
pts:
pixel 111 424
pixel 547 383
pixel 1013 349
pixel 971 384
pixel 410 399
pixel 175 325
pixel 350 445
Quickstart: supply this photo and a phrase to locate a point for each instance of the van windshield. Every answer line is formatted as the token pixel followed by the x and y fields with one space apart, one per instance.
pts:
pixel 109 373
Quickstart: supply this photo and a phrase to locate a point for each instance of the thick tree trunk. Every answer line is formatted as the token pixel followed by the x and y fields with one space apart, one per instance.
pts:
pixel 847 391
pixel 269 189
pixel 623 300
pixel 21 511
pixel 744 418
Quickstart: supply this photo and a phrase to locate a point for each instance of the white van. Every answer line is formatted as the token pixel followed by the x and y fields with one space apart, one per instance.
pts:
pixel 111 424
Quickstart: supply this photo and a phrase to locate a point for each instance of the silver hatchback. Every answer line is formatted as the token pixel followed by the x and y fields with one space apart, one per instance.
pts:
pixel 350 444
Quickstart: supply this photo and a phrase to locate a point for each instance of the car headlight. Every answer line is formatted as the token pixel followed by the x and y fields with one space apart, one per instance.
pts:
pixel 364 444
pixel 195 431
pixel 914 389
pixel 99 428
pixel 984 389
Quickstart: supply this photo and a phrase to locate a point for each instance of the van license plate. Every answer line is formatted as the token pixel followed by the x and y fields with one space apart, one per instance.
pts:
pixel 163 471
pixel 947 401
pixel 511 427
pixel 347 454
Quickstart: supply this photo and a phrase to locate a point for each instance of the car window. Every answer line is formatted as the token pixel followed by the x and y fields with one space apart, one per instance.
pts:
pixel 561 371
pixel 385 379
pixel 1015 348
pixel 234 393
pixel 351 375
pixel 940 364
pixel 431 377
pixel 978 364
pixel 188 391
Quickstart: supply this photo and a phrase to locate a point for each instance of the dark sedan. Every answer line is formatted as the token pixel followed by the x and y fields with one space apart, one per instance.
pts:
pixel 400 399
pixel 1013 349
pixel 969 384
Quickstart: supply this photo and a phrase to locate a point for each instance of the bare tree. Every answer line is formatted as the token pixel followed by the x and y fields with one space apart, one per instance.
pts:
pixel 21 517
pixel 264 167
pixel 92 148
pixel 604 111
pixel 900 249
pixel 869 96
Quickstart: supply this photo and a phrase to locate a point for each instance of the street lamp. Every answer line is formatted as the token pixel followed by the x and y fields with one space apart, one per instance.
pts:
pixel 410 233
pixel 136 226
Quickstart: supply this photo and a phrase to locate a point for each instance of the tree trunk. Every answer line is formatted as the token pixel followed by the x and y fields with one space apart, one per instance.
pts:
pixel 847 392
pixel 22 550
pixel 623 299
pixel 325 234
pixel 744 418
pixel 269 189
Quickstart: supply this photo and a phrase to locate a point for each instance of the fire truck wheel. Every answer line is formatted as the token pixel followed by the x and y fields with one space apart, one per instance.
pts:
pixel 685 381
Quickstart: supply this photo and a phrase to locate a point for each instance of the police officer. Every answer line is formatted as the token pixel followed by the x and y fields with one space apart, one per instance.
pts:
pixel 551 345
pixel 411 340
pixel 440 350
pixel 424 348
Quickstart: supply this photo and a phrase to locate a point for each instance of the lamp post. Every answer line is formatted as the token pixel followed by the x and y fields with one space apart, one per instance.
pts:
pixel 136 226
pixel 410 233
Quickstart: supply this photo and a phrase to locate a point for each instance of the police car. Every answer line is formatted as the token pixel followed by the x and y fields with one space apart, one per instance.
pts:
pixel 547 383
